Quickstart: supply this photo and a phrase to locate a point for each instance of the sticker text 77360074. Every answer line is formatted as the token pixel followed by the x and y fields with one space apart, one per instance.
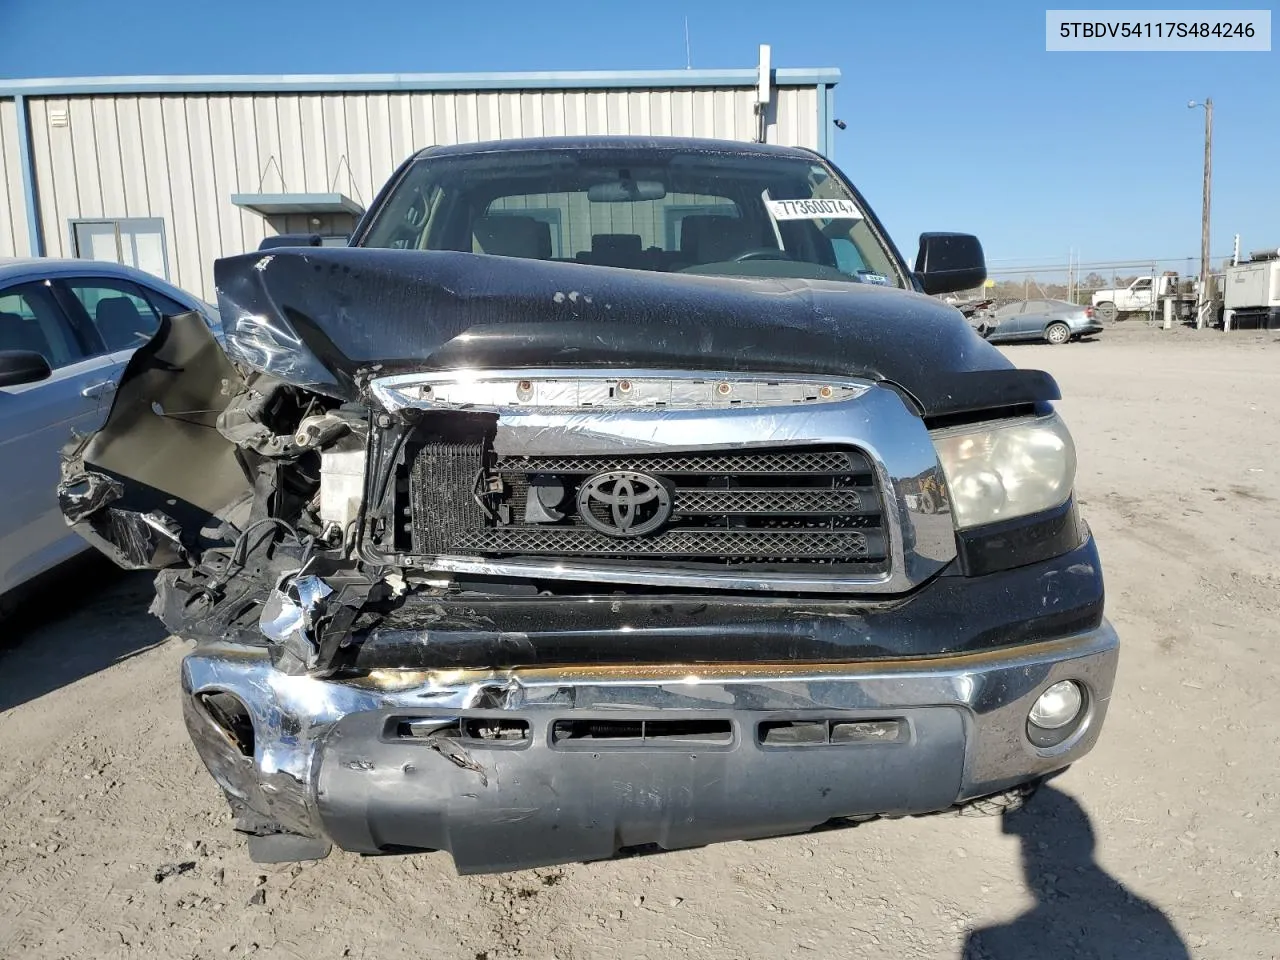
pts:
pixel 813 209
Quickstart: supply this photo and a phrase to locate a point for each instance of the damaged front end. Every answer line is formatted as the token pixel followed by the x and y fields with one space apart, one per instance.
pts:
pixel 516 580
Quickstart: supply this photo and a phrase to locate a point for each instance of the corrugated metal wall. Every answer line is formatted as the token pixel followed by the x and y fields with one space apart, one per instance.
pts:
pixel 181 157
pixel 13 210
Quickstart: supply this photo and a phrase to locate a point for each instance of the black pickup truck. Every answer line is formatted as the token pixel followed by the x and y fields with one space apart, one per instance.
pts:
pixel 603 494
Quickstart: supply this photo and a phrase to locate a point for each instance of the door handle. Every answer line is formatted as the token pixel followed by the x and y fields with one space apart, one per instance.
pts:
pixel 98 389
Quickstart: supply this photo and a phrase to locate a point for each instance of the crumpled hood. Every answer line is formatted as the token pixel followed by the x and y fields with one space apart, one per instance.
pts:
pixel 356 309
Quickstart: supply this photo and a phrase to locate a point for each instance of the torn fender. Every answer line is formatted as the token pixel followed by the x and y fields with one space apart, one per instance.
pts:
pixel 152 487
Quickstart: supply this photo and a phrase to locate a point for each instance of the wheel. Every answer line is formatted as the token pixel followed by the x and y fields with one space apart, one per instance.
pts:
pixel 1106 312
pixel 1006 801
pixel 1058 333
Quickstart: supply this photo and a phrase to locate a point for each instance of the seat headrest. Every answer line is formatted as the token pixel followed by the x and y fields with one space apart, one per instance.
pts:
pixel 615 243
pixel 712 239
pixel 513 236
pixel 120 323
pixel 19 333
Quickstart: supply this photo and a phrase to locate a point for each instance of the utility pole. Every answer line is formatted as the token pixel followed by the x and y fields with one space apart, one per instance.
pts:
pixel 1205 295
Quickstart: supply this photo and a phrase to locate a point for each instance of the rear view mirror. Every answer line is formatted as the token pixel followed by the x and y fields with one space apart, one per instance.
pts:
pixel 948 262
pixel 626 191
pixel 22 366
pixel 291 240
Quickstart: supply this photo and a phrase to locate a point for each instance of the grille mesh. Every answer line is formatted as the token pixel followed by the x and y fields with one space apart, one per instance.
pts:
pixel 784 501
pixel 765 507
pixel 765 544
pixel 744 463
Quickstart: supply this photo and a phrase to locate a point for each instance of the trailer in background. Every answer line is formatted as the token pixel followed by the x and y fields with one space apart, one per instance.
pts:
pixel 1251 293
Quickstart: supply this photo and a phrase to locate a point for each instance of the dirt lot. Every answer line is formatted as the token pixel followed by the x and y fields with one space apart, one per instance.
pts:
pixel 1163 843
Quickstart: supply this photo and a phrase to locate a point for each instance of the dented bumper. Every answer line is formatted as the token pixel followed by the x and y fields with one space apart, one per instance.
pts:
pixel 520 768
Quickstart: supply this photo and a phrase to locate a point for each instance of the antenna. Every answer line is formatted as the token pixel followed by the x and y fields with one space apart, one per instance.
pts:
pixel 688 57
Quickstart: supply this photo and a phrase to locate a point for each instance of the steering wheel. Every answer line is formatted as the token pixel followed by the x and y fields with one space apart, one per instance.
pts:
pixel 762 253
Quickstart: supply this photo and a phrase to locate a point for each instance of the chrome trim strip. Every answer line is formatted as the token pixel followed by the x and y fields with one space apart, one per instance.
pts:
pixel 917 511
pixel 495 390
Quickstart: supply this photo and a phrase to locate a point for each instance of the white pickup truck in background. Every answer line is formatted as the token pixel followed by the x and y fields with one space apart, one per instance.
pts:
pixel 1144 295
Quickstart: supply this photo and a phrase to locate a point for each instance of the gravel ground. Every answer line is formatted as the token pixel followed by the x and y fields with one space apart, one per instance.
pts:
pixel 1163 843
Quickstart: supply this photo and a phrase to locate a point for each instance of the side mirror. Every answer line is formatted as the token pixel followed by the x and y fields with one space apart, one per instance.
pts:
pixel 22 366
pixel 948 262
pixel 290 240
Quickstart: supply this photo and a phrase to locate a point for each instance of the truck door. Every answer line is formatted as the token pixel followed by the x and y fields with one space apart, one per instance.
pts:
pixel 1140 294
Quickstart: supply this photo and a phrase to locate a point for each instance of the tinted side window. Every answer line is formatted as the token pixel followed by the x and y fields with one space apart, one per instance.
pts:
pixel 117 309
pixel 30 319
pixel 165 306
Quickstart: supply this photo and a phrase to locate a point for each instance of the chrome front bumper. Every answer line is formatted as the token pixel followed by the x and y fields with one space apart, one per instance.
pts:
pixel 327 761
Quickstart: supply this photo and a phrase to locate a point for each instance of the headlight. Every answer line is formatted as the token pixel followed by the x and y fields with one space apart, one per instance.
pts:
pixel 1012 469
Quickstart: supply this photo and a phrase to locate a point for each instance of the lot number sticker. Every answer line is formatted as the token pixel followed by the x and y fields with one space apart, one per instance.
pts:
pixel 813 209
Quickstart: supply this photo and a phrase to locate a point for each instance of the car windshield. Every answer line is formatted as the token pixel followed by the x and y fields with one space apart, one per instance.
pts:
pixel 735 213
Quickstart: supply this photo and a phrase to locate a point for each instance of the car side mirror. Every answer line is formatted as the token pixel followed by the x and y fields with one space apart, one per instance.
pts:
pixel 948 262
pixel 290 240
pixel 22 366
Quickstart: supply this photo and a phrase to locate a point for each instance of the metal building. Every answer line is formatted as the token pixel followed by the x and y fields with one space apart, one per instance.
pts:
pixel 170 173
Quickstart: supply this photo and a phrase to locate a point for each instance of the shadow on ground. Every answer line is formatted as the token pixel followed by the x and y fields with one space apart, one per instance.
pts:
pixel 1081 911
pixel 82 619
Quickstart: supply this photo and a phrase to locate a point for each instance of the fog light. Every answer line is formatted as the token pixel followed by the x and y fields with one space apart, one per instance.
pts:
pixel 1057 706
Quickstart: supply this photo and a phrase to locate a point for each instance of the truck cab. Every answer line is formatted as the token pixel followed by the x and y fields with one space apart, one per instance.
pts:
pixel 1143 295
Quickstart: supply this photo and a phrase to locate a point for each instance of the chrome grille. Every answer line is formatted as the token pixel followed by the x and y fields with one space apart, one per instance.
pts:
pixel 741 507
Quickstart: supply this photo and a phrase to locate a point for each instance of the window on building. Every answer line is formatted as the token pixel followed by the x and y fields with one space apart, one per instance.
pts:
pixel 134 241
pixel 117 309
pixel 30 319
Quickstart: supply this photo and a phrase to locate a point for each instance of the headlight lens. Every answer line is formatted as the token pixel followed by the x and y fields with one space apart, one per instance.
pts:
pixel 999 471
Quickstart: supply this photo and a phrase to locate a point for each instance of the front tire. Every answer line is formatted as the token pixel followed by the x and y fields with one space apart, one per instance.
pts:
pixel 1058 333
pixel 1006 801
pixel 1106 311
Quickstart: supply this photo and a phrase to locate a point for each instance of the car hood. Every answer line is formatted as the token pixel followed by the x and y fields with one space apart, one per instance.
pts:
pixel 359 313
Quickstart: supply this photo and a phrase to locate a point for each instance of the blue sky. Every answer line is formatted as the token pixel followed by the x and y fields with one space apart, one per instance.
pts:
pixel 957 117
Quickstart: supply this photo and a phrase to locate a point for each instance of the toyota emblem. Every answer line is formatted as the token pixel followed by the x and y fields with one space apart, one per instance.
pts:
pixel 623 503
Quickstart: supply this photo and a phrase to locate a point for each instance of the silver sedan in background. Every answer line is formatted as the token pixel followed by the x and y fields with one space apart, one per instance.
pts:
pixel 1056 321
pixel 67 329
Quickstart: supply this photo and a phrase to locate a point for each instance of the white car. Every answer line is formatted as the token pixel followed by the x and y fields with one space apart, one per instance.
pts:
pixel 67 329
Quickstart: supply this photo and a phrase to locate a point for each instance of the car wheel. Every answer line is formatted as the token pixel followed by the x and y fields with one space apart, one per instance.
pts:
pixel 1106 312
pixel 1058 333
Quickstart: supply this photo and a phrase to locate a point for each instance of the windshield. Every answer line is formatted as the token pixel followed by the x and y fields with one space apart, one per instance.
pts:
pixel 650 208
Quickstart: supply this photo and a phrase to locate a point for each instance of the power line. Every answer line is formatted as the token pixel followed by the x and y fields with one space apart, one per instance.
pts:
pixel 1062 266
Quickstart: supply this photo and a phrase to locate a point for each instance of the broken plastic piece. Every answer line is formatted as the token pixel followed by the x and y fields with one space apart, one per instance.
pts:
pixel 290 614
